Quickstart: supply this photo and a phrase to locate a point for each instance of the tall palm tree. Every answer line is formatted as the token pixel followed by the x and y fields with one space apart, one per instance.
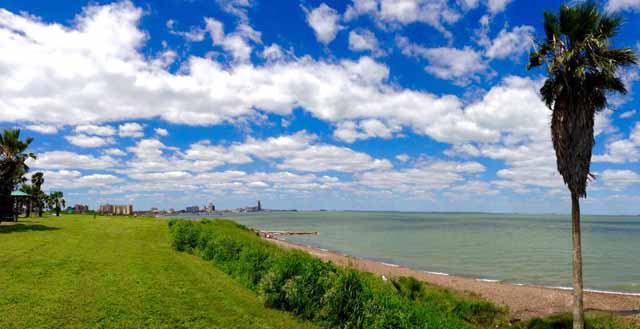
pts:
pixel 581 72
pixel 13 167
pixel 38 196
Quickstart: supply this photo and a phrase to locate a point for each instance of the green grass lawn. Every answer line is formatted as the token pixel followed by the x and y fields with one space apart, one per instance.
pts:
pixel 116 272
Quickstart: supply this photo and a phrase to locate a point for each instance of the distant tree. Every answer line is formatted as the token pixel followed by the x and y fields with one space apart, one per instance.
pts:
pixel 13 167
pixel 38 196
pixel 581 71
pixel 55 201
pixel 28 189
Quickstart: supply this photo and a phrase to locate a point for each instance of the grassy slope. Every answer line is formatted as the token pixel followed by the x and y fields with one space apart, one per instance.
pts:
pixel 76 272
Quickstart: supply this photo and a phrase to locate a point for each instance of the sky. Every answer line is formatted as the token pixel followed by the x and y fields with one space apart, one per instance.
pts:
pixel 408 105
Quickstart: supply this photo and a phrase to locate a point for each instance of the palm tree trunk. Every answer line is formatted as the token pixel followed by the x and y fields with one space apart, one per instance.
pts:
pixel 578 307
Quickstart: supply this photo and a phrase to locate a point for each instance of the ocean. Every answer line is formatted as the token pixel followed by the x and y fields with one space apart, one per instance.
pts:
pixel 521 249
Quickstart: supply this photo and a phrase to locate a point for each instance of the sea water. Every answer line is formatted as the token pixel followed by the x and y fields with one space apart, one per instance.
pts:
pixel 524 249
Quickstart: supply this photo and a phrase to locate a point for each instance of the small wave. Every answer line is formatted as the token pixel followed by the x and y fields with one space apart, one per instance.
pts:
pixel 437 273
pixel 322 249
pixel 613 292
pixel 488 280
pixel 389 264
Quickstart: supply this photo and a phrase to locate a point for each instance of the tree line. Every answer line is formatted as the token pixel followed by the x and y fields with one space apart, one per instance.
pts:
pixel 14 171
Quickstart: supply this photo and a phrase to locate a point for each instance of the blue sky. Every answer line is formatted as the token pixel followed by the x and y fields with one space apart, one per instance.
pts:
pixel 366 104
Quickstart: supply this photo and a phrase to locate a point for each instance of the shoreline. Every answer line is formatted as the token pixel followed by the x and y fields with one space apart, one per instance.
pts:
pixel 524 300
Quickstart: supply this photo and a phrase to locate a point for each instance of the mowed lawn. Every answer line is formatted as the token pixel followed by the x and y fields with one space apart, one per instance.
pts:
pixel 116 272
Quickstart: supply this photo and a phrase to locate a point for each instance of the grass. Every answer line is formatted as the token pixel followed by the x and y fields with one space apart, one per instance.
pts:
pixel 331 296
pixel 115 272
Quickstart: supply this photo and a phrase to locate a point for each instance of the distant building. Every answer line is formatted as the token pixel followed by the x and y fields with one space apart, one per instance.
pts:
pixel 211 207
pixel 110 209
pixel 259 206
pixel 79 209
pixel 193 209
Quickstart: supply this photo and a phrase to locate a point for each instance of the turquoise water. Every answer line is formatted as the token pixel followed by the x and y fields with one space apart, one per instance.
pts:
pixel 530 249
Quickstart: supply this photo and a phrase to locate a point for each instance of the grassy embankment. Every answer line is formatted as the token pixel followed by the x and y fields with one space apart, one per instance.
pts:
pixel 115 272
pixel 336 297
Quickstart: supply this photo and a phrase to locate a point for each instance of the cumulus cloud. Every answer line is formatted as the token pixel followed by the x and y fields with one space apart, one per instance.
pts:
pixel 195 34
pixel 619 179
pixel 511 44
pixel 161 132
pixel 364 40
pixel 43 129
pixel 619 5
pixel 424 177
pixel 622 150
pixel 403 157
pixel 131 129
pixel 325 22
pixel 627 114
pixel 70 160
pixel 95 130
pixel 459 65
pixel 350 131
pixel 300 152
pixel 238 43
pixel 89 141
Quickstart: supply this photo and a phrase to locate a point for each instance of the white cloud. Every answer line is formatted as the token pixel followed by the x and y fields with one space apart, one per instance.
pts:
pixel 460 65
pixel 350 131
pixel 403 157
pixel 273 53
pixel 618 5
pixel 238 43
pixel 130 129
pixel 95 130
pixel 325 22
pixel 619 179
pixel 70 160
pixel 161 132
pixel 238 8
pixel 364 40
pixel 496 6
pixel 195 34
pixel 622 150
pixel 300 152
pixel 114 152
pixel 429 176
pixel 43 129
pixel 627 114
pixel 89 141
pixel 511 44
pixel 73 179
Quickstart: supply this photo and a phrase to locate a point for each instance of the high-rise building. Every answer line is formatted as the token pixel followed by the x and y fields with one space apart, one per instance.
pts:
pixel 110 209
pixel 259 206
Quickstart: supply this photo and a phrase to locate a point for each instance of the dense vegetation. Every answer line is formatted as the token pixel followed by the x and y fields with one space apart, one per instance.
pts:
pixel 117 272
pixel 329 295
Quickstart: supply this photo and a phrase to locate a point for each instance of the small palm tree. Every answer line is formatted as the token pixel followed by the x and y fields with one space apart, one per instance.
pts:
pixel 581 72
pixel 28 189
pixel 55 200
pixel 13 167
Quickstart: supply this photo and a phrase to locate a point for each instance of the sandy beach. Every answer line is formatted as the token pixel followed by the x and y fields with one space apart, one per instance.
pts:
pixel 524 301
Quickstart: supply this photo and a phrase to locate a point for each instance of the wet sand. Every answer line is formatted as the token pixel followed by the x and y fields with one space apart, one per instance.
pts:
pixel 524 301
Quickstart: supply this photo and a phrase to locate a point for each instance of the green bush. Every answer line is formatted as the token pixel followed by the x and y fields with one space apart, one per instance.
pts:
pixel 331 296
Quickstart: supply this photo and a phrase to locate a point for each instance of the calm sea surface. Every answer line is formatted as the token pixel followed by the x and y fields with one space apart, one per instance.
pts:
pixel 532 249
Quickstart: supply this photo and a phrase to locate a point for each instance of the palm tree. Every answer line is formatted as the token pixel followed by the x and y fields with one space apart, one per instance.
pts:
pixel 581 72
pixel 38 196
pixel 28 189
pixel 13 167
pixel 55 200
